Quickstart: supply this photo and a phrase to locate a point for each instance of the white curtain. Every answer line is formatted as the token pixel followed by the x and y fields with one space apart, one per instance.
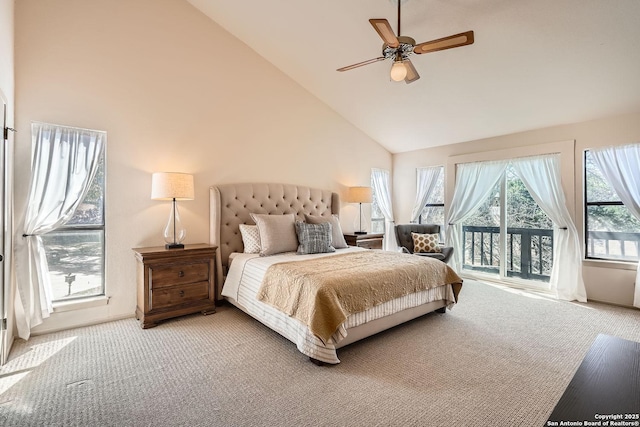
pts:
pixel 541 176
pixel 474 183
pixel 426 182
pixel 621 167
pixel 382 189
pixel 64 161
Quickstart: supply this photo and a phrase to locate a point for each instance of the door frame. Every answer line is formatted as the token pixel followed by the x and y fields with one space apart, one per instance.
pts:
pixel 6 229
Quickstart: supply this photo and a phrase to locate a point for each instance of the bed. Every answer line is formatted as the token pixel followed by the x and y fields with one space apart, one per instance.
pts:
pixel 244 274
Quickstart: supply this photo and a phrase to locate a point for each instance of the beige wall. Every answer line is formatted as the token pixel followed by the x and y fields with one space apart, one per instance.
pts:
pixel 605 281
pixel 175 92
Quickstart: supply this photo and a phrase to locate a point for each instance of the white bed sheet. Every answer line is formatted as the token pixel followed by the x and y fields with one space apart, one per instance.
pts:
pixel 243 282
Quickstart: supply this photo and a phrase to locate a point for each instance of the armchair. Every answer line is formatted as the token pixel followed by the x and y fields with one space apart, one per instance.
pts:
pixel 405 241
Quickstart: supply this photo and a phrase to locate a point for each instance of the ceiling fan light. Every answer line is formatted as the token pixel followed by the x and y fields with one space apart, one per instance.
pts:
pixel 398 71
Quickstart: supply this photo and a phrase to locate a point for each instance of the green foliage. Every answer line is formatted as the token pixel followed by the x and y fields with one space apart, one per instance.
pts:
pixel 605 217
pixel 91 210
pixel 522 210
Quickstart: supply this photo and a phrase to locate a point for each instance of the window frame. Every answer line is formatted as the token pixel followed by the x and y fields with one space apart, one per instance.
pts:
pixel 585 213
pixel 375 220
pixel 89 227
pixel 437 205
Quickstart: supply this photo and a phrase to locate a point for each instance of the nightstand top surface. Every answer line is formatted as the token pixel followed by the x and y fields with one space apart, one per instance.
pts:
pixel 365 236
pixel 162 249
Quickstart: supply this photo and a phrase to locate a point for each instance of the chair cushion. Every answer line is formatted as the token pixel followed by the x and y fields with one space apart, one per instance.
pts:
pixel 426 243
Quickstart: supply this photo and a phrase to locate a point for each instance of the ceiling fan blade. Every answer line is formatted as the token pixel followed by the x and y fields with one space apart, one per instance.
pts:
pixel 360 64
pixel 383 29
pixel 412 74
pixel 455 40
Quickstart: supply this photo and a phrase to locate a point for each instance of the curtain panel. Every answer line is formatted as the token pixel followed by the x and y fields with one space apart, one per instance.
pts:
pixel 381 184
pixel 474 182
pixel 64 162
pixel 621 167
pixel 426 181
pixel 541 176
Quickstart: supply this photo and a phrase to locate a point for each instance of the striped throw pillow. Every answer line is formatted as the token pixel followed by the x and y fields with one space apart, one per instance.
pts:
pixel 314 238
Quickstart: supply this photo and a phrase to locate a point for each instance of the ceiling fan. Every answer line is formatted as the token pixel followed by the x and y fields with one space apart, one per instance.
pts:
pixel 399 48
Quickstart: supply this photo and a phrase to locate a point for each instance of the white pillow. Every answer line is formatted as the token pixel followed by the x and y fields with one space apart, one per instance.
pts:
pixel 337 238
pixel 250 238
pixel 277 233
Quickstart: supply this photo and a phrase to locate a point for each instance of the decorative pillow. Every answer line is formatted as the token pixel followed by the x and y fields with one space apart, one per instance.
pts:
pixel 250 238
pixel 337 238
pixel 426 243
pixel 314 238
pixel 277 233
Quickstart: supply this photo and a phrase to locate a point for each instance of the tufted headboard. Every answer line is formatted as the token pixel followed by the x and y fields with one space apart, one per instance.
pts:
pixel 231 204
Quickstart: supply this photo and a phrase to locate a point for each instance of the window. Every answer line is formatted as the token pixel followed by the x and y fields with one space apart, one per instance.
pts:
pixel 611 231
pixel 377 218
pixel 433 211
pixel 525 251
pixel 75 251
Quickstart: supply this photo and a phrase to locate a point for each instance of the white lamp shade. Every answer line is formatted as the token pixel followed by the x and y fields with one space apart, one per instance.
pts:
pixel 172 185
pixel 359 195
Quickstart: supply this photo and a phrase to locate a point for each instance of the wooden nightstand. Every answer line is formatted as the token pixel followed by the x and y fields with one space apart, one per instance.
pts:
pixel 369 241
pixel 175 282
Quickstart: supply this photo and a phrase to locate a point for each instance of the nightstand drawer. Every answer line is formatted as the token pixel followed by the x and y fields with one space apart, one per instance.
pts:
pixel 167 297
pixel 370 244
pixel 178 274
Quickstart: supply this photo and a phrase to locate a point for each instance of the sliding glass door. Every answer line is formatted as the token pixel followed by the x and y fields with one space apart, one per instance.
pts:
pixel 509 237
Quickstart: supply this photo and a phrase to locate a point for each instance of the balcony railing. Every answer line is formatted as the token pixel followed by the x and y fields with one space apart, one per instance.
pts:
pixel 613 245
pixel 529 251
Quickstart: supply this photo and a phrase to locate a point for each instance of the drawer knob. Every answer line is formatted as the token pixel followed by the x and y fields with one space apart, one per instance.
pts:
pixel 181 293
pixel 181 274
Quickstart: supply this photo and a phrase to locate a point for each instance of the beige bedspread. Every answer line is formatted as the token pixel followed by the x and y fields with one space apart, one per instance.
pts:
pixel 323 292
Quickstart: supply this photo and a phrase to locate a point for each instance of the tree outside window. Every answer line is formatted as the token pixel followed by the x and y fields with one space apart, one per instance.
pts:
pixel 75 251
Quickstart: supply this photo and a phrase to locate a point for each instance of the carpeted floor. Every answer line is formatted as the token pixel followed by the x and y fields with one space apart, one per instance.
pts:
pixel 499 358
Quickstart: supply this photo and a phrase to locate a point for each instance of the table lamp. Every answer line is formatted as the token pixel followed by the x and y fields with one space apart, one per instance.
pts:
pixel 359 195
pixel 173 186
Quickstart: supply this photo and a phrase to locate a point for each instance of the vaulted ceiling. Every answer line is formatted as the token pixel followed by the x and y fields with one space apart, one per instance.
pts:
pixel 534 63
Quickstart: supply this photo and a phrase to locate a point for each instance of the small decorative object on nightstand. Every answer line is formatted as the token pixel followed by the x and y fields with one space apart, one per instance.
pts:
pixel 175 282
pixel 369 241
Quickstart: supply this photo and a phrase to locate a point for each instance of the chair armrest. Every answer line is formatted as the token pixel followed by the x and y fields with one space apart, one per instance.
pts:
pixel 405 250
pixel 447 251
pixel 436 255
